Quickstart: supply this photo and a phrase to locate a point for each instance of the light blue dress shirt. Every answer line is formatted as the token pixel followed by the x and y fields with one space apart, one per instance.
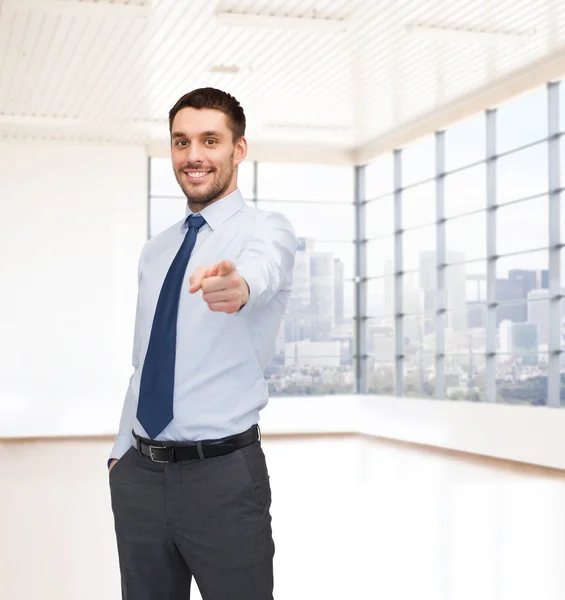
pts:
pixel 220 358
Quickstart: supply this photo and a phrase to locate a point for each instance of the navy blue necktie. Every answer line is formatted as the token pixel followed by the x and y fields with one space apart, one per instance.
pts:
pixel 155 406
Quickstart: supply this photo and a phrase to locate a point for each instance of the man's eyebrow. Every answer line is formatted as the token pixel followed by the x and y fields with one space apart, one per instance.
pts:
pixel 210 133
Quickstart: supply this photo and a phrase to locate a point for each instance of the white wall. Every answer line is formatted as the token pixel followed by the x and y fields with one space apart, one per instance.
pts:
pixel 73 218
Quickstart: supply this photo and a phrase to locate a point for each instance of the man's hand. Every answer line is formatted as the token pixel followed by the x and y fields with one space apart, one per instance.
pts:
pixel 112 465
pixel 223 288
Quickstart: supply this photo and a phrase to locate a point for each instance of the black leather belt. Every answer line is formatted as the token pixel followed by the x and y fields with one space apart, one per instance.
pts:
pixel 160 452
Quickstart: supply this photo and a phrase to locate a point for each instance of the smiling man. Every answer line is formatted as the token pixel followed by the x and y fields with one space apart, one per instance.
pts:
pixel 189 483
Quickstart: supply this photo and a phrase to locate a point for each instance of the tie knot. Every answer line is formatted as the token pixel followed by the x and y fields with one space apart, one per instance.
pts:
pixel 196 221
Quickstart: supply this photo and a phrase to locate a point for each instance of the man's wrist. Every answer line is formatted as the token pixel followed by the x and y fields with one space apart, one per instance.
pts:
pixel 245 291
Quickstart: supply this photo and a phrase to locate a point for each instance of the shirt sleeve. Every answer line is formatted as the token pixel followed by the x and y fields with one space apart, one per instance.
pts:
pixel 123 440
pixel 267 260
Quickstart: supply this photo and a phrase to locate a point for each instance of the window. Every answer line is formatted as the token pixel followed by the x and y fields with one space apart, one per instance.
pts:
pixel 315 183
pixel 465 191
pixel 380 256
pixel 522 174
pixel 522 121
pixel 379 177
pixel 466 237
pixel 379 217
pixel 316 220
pixel 415 243
pixel 419 205
pixel 465 143
pixel 522 226
pixel 162 178
pixel 419 161
pixel 315 344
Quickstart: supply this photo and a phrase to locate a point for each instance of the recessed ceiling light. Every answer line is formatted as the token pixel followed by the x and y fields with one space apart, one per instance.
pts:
pixel 474 36
pixel 227 69
pixel 314 24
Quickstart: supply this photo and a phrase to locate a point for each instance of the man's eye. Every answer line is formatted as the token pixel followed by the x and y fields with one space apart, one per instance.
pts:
pixel 210 142
pixel 181 142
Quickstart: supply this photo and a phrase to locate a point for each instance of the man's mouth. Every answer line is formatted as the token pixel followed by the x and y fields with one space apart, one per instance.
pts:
pixel 196 175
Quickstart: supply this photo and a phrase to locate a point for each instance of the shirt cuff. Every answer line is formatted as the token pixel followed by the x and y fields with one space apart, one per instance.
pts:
pixel 254 289
pixel 122 444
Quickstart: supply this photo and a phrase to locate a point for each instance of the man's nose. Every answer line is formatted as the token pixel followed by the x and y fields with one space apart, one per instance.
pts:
pixel 194 154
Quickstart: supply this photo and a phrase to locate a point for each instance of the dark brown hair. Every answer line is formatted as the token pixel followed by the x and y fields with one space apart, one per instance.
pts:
pixel 216 99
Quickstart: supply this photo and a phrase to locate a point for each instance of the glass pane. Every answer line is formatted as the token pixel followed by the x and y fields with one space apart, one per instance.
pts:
pixel 465 142
pixel 426 282
pixel 416 242
pixel 164 212
pixel 465 191
pixel 522 174
pixel 245 179
pixel 162 179
pixel 466 330
pixel 381 294
pixel 419 355
pixel 380 297
pixel 379 217
pixel 323 312
pixel 522 226
pixel 419 205
pixel 455 282
pixel 466 238
pixel 380 340
pixel 342 254
pixel 320 183
pixel 380 368
pixel 517 275
pixel 465 377
pixel 468 279
pixel 523 326
pixel 380 256
pixel 522 379
pixel 522 120
pixel 417 297
pixel 518 306
pixel 301 370
pixel 379 176
pixel 419 161
pixel 348 307
pixel 316 220
pixel 419 336
pixel 419 362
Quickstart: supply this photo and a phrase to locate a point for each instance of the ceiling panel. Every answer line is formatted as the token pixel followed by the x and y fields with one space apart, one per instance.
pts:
pixel 110 70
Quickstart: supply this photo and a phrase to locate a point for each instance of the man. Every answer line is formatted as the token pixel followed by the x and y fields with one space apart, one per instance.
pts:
pixel 188 480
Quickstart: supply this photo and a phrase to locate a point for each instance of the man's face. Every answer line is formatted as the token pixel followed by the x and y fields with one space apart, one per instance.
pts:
pixel 204 154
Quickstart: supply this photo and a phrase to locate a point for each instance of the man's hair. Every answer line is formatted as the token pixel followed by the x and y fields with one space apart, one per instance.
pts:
pixel 216 99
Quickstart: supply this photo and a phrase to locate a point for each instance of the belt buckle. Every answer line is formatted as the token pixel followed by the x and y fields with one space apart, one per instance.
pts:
pixel 151 448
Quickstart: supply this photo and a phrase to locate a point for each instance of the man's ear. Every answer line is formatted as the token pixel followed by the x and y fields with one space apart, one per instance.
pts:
pixel 240 150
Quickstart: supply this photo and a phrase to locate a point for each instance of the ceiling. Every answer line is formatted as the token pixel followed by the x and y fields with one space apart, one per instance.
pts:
pixel 387 72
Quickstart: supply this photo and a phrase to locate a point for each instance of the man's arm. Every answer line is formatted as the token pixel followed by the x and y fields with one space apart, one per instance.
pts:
pixel 267 261
pixel 122 441
pixel 263 268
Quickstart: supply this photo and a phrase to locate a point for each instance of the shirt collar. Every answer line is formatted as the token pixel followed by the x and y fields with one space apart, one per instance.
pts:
pixel 220 211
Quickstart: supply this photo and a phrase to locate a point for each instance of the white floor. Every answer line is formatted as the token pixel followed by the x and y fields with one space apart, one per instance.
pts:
pixel 352 518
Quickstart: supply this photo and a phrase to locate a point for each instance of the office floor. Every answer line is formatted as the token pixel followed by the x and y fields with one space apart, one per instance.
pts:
pixel 352 518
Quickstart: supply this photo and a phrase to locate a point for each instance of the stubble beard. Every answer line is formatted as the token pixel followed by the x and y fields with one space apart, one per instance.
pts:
pixel 197 201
